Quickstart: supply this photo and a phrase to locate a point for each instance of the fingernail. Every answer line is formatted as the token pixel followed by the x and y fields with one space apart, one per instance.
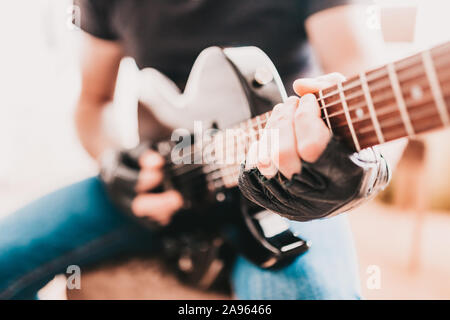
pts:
pixel 138 206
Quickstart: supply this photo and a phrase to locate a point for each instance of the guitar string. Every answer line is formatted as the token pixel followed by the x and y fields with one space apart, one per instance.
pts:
pixel 262 122
pixel 258 133
pixel 353 108
pixel 423 102
pixel 232 173
pixel 395 123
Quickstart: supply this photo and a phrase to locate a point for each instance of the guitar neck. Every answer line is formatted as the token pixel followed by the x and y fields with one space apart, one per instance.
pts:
pixel 401 99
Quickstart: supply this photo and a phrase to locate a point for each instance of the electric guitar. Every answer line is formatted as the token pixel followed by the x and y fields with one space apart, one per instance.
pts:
pixel 235 88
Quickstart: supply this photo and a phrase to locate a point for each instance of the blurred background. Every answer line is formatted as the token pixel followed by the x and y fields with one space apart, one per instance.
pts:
pixel 404 235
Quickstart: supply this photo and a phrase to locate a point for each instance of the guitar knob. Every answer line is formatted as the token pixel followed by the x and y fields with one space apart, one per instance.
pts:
pixel 263 76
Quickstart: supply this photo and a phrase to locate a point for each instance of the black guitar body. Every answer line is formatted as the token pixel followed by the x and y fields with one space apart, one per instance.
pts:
pixel 225 87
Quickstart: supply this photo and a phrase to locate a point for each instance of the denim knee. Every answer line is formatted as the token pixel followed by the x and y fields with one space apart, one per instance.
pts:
pixel 327 271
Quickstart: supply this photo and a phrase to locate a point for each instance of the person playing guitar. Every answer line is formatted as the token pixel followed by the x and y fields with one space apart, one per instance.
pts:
pixel 80 225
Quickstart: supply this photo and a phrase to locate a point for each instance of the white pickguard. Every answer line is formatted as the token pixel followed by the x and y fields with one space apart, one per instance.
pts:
pixel 213 94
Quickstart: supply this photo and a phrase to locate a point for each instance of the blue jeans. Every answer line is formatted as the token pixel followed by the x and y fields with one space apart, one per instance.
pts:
pixel 78 225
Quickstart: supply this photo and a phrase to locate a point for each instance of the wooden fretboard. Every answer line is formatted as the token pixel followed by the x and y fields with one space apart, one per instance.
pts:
pixel 401 99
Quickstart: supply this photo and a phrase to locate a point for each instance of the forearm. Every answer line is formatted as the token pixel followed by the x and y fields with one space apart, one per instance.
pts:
pixel 100 60
pixel 91 127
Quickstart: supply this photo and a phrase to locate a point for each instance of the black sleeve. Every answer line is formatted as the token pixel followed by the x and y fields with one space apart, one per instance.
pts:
pixel 95 18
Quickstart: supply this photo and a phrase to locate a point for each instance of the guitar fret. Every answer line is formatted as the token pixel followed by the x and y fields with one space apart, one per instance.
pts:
pixel 435 87
pixel 260 129
pixel 399 99
pixel 347 116
pixel 325 112
pixel 371 107
pixel 410 94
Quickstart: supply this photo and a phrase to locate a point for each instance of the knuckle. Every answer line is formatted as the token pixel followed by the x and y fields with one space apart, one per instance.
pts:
pixel 283 117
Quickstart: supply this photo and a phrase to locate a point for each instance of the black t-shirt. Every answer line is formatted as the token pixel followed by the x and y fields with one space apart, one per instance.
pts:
pixel 169 34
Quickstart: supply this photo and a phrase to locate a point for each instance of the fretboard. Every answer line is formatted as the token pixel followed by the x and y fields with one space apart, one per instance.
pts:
pixel 400 99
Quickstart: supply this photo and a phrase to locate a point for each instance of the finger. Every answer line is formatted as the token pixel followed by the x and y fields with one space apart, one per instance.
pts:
pixel 265 164
pixel 149 179
pixel 311 133
pixel 280 128
pixel 313 85
pixel 159 207
pixel 151 159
